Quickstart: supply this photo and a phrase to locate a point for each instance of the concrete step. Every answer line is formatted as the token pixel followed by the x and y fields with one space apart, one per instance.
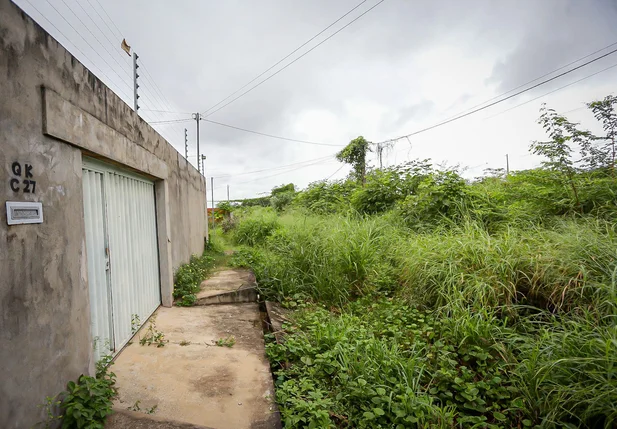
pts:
pixel 244 294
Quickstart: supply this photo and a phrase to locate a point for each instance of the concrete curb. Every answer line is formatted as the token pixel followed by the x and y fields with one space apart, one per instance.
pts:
pixel 242 295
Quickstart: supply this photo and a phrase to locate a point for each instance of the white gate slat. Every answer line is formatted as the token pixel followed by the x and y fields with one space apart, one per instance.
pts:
pixel 94 215
pixel 120 212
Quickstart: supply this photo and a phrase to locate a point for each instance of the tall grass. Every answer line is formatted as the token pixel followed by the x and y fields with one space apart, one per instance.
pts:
pixel 540 301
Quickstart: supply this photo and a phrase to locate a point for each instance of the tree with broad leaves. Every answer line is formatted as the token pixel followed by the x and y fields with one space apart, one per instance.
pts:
pixel 558 150
pixel 354 154
pixel 603 155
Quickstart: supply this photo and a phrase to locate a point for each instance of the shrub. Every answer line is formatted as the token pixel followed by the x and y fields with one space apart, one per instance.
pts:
pixel 255 230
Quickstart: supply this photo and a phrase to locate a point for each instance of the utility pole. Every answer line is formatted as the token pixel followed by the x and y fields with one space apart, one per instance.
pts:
pixel 203 165
pixel 227 193
pixel 197 118
pixel 212 193
pixel 186 145
pixel 135 84
pixel 507 165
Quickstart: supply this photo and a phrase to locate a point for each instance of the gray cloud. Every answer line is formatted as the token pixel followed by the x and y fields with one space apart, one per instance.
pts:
pixel 405 63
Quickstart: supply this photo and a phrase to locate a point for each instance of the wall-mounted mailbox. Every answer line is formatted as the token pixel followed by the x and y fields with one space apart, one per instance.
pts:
pixel 19 212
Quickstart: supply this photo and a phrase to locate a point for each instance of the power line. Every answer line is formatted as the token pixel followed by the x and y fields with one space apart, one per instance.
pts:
pixel 171 121
pixel 503 99
pixel 102 32
pixel 284 58
pixel 544 75
pixel 278 174
pixel 148 77
pixel 157 94
pixel 108 17
pixel 337 170
pixel 296 59
pixel 555 90
pixel 85 40
pixel 102 44
pixel 270 135
pixel 166 111
pixel 323 158
pixel 75 46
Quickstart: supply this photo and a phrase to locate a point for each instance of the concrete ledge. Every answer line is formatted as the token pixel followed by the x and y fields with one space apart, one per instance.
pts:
pixel 124 419
pixel 275 317
pixel 245 294
pixel 67 122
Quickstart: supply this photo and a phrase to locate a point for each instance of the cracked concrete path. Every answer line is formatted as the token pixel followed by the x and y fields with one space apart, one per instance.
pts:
pixel 191 380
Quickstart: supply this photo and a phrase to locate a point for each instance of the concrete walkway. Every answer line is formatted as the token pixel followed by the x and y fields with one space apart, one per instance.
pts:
pixel 191 380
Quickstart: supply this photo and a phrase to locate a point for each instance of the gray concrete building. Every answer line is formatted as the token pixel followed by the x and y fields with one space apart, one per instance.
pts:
pixel 97 212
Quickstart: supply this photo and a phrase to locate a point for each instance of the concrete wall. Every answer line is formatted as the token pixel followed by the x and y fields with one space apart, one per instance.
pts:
pixel 52 112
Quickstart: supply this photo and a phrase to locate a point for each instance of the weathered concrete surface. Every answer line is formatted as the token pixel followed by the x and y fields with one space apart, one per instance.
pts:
pixel 226 281
pixel 199 382
pixel 123 419
pixel 244 294
pixel 275 317
pixel 44 300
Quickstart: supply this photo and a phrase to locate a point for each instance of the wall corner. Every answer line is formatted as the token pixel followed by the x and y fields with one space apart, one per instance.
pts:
pixel 164 242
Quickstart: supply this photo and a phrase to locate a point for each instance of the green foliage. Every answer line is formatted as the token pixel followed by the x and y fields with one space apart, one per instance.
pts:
pixel 153 336
pixel 438 196
pixel 255 229
pixel 226 342
pixel 282 200
pixel 386 364
pixel 137 407
pixel 283 189
pixel 383 188
pixel 602 155
pixel 326 197
pixel 189 277
pixel 51 407
pixel 87 402
pixel 226 206
pixel 354 154
pixel 425 300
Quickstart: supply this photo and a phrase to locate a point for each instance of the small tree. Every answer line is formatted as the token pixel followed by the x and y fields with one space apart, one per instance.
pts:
pixel 354 154
pixel 558 150
pixel 604 154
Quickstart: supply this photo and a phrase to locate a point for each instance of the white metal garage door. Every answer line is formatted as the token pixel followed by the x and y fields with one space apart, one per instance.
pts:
pixel 123 267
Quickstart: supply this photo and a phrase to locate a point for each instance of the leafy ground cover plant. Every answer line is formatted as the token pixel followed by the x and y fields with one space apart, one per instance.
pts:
pixel 189 276
pixel 87 402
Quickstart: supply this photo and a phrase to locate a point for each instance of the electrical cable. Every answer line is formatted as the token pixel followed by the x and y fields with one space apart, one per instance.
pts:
pixel 88 43
pixel 76 47
pixel 337 170
pixel 276 174
pixel 501 100
pixel 323 158
pixel 544 75
pixel 555 90
pixel 270 135
pixel 171 121
pixel 296 59
pixel 284 58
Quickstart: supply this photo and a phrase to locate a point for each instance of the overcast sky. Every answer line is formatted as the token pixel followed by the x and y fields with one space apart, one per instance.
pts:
pixel 405 65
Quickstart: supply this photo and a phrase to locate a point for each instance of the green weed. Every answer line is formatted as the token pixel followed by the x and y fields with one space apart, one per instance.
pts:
pixel 226 342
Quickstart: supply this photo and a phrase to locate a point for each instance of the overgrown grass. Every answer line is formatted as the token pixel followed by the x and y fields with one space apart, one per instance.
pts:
pixel 536 301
